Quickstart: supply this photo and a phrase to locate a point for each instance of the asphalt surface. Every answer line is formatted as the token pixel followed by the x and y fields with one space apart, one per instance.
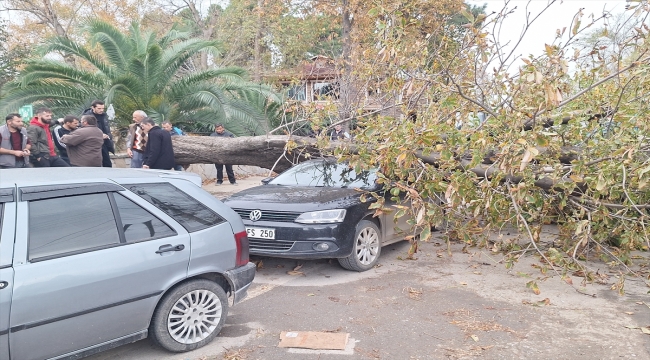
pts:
pixel 435 307
pixel 464 306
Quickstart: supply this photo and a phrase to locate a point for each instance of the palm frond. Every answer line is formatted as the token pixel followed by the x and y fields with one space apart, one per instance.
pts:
pixel 175 56
pixel 51 70
pixel 67 46
pixel 115 45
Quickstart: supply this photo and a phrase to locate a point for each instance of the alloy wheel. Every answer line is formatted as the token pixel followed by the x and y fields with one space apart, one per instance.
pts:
pixel 194 316
pixel 367 246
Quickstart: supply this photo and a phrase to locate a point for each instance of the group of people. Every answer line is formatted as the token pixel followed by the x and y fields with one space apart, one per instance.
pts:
pixel 84 141
pixel 148 145
pixel 80 142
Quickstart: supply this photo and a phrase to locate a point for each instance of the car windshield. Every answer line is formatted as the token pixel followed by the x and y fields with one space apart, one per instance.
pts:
pixel 325 174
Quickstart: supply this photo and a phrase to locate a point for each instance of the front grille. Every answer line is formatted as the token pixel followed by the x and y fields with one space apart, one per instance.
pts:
pixel 269 245
pixel 269 215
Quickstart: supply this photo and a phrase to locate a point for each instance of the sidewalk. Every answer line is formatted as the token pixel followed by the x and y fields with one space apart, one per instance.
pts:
pixel 222 191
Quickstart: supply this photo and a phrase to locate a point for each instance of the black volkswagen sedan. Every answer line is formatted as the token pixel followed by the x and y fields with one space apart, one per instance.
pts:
pixel 314 211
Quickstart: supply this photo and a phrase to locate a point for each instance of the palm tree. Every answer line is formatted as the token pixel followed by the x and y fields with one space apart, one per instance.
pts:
pixel 138 70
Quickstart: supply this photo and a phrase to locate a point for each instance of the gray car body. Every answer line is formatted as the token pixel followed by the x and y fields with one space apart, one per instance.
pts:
pixel 77 305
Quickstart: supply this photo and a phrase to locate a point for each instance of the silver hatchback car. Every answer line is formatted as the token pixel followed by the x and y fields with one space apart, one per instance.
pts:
pixel 91 259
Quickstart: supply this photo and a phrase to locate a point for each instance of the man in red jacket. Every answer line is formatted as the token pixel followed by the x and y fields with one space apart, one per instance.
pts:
pixel 43 151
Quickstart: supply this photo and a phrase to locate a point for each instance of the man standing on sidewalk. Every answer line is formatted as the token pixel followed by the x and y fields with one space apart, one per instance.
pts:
pixel 173 131
pixel 14 143
pixel 220 131
pixel 136 140
pixel 43 152
pixel 97 110
pixel 85 144
pixel 159 153
pixel 69 123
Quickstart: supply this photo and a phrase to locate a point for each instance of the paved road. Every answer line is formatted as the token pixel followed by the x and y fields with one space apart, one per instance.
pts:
pixel 436 307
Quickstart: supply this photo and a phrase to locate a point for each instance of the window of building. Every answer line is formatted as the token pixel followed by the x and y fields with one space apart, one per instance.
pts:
pixel 296 92
pixel 325 89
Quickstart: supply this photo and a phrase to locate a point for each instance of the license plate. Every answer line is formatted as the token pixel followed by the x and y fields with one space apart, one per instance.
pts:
pixel 260 233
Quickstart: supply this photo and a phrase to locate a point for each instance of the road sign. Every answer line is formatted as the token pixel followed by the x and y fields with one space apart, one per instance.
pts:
pixel 26 112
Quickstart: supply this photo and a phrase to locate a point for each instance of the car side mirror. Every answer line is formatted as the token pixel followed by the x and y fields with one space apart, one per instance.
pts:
pixel 266 181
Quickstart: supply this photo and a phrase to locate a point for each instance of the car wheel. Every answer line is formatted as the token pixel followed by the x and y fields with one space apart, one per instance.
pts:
pixel 189 316
pixel 366 248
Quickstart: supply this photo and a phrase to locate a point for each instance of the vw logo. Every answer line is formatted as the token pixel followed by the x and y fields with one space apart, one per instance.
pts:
pixel 255 215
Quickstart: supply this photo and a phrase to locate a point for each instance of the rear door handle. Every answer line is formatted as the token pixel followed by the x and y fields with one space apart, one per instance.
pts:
pixel 168 247
pixel 3 284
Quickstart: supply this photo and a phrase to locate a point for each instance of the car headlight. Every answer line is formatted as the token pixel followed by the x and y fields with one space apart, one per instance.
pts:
pixel 322 217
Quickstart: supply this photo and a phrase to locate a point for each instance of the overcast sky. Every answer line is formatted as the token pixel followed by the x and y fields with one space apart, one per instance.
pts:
pixel 543 31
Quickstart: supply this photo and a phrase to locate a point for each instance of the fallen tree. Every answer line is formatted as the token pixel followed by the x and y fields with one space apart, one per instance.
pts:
pixel 505 141
pixel 269 152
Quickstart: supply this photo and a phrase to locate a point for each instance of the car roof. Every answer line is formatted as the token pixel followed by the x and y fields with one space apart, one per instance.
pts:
pixel 27 176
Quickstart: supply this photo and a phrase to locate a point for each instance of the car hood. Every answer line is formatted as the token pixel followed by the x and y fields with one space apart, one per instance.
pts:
pixel 293 198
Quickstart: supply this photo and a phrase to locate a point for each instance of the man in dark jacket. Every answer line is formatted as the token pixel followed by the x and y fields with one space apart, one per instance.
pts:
pixel 85 144
pixel 220 131
pixel 14 143
pixel 159 153
pixel 173 131
pixel 43 150
pixel 70 123
pixel 97 110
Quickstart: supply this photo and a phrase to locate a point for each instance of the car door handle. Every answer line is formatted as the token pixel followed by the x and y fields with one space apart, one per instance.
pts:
pixel 168 247
pixel 3 284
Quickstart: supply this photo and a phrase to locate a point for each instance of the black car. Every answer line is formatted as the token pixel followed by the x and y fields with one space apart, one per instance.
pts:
pixel 314 211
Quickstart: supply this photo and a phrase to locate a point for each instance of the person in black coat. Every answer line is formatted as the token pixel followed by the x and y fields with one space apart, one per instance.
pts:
pixel 97 110
pixel 159 153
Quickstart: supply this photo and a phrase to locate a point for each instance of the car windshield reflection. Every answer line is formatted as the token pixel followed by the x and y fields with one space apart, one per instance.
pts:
pixel 325 174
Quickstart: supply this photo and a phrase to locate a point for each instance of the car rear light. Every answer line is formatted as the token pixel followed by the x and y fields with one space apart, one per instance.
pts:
pixel 241 239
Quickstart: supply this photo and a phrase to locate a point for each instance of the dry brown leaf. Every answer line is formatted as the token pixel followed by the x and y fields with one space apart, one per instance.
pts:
pixel 335 299
pixel 474 337
pixel 629 313
pixel 414 294
pixel 296 273
pixel 297 267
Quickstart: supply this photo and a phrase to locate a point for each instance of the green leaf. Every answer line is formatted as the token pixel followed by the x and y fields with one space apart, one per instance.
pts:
pixel 533 286
pixel 601 184
pixel 425 234
pixel 468 15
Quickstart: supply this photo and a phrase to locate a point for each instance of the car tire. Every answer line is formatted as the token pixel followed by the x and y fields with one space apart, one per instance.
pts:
pixel 366 248
pixel 189 316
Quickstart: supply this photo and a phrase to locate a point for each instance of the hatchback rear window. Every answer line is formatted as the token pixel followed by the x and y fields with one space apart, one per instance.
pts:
pixel 188 211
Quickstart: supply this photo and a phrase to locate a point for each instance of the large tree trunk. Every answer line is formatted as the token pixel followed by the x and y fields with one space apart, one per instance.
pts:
pixel 268 152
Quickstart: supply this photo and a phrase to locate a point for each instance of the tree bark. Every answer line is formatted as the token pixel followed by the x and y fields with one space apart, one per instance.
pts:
pixel 346 91
pixel 268 152
pixel 257 49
